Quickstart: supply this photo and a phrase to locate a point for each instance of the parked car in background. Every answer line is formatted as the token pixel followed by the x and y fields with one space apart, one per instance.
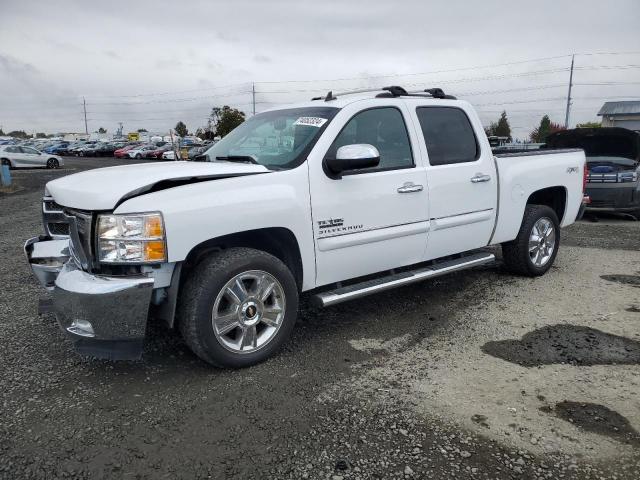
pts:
pixel 21 156
pixel 613 160
pixel 122 152
pixel 57 149
pixel 79 147
pixel 96 150
pixel 140 151
pixel 158 152
pixel 196 151
pixel 169 155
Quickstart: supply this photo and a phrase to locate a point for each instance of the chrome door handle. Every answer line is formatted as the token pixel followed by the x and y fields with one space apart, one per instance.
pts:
pixel 410 188
pixel 479 178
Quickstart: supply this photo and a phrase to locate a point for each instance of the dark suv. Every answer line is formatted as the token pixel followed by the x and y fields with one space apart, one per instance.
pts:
pixel 613 160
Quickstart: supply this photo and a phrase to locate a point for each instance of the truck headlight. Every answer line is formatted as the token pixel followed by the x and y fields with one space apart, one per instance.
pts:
pixel 131 238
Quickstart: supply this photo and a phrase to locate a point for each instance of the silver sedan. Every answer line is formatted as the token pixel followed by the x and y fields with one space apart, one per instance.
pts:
pixel 18 156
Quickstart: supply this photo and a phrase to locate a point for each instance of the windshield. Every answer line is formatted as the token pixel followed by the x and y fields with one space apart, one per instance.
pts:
pixel 278 140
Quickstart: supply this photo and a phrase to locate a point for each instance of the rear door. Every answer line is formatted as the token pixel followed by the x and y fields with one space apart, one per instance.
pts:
pixel 462 178
pixel 374 219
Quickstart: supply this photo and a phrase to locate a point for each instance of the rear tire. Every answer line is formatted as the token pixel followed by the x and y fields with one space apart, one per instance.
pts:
pixel 534 250
pixel 237 325
pixel 53 163
pixel 138 156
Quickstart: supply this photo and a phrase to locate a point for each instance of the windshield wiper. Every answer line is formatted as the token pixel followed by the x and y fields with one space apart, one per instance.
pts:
pixel 239 158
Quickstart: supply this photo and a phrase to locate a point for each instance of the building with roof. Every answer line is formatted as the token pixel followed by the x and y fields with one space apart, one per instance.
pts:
pixel 624 114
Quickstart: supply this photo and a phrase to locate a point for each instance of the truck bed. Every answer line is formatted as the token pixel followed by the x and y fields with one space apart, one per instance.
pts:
pixel 521 174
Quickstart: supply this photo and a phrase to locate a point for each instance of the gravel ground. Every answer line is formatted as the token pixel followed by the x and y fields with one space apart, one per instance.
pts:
pixel 475 375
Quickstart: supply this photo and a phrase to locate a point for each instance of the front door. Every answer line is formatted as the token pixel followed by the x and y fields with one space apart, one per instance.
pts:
pixel 462 180
pixel 31 157
pixel 373 219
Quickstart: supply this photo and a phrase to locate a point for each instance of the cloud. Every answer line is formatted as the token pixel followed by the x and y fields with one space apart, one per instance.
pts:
pixel 120 49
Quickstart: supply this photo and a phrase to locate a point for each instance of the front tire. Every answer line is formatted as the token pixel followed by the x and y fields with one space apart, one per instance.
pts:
pixel 534 250
pixel 237 307
pixel 52 163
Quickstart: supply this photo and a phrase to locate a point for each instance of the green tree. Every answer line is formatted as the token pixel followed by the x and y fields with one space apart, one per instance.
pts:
pixel 501 128
pixel 223 120
pixel 41 135
pixel 102 130
pixel 142 130
pixel 542 131
pixel 18 134
pixel 181 129
pixel 1 132
pixel 589 125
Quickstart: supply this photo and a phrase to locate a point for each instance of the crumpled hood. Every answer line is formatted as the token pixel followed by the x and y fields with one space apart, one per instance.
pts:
pixel 104 188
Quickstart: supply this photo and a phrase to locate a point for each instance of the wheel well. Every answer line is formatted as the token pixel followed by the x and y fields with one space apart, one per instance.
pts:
pixel 3 160
pixel 554 197
pixel 279 242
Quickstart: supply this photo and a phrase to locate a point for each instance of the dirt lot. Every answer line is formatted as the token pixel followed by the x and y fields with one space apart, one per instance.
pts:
pixel 476 375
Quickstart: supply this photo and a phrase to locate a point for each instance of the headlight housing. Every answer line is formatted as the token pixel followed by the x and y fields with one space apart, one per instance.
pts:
pixel 131 238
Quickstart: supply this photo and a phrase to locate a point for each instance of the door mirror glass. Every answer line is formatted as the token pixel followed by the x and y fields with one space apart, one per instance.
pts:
pixel 354 157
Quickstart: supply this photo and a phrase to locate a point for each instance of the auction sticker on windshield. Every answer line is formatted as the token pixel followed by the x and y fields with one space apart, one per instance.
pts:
pixel 311 121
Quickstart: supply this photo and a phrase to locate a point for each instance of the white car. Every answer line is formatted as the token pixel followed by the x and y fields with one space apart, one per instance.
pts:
pixel 169 155
pixel 19 156
pixel 139 152
pixel 342 197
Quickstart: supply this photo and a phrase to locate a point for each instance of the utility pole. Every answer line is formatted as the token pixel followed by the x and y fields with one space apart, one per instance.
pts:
pixel 253 95
pixel 566 115
pixel 84 106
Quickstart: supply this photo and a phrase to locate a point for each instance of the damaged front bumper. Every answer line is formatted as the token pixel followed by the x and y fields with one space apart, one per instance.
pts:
pixel 104 316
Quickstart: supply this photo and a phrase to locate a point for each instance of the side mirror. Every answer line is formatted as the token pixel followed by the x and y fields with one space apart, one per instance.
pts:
pixel 353 157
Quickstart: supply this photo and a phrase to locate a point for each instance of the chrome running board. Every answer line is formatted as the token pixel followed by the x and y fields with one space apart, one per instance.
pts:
pixel 343 294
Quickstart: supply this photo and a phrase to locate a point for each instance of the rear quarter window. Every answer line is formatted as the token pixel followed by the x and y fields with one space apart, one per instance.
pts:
pixel 448 135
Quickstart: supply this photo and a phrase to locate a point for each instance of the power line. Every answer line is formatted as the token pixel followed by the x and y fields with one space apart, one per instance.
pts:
pixel 431 72
pixel 176 100
pixel 217 87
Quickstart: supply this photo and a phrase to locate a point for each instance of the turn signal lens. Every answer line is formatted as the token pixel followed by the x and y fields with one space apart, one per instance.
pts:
pixel 154 251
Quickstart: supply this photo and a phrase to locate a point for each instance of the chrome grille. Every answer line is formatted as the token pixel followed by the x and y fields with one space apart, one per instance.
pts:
pixel 53 219
pixel 58 229
pixel 80 228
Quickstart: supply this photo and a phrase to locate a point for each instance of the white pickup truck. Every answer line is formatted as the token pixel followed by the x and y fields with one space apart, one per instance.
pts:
pixel 343 196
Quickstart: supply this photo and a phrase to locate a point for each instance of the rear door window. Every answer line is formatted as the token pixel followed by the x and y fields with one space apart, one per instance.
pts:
pixel 448 134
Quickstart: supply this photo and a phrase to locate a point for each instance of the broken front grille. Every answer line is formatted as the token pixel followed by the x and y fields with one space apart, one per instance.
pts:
pixel 80 232
pixel 54 220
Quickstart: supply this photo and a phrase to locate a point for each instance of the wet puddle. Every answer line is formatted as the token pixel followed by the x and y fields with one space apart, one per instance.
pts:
pixel 596 419
pixel 633 280
pixel 571 344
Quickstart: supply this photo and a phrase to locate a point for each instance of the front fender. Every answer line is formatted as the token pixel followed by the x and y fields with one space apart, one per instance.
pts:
pixel 203 211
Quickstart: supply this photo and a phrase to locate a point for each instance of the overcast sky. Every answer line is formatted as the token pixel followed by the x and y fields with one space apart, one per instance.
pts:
pixel 149 64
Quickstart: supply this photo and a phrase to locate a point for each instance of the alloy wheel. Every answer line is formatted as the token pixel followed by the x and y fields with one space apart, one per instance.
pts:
pixel 248 311
pixel 542 242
